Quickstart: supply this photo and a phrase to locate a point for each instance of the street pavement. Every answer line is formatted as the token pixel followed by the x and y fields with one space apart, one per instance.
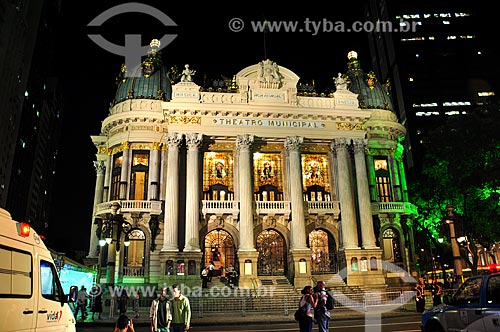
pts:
pixel 237 318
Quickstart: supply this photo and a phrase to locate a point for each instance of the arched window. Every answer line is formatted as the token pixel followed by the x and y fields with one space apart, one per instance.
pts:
pixel 133 260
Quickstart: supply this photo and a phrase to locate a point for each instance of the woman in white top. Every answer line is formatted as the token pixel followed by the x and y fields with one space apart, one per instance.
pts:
pixel 307 299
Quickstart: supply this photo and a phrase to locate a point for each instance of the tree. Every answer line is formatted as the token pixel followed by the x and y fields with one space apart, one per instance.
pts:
pixel 461 166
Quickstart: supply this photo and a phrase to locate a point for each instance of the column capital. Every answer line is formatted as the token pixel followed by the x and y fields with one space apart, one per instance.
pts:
pixel 174 140
pixel 194 140
pixel 99 166
pixel 340 144
pixel 244 142
pixel 359 144
pixel 293 143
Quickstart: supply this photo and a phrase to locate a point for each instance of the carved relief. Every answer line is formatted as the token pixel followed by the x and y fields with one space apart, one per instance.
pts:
pixel 269 75
pixel 349 126
pixel 184 120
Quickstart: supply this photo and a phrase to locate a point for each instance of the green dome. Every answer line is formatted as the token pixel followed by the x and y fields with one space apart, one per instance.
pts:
pixel 371 93
pixel 150 80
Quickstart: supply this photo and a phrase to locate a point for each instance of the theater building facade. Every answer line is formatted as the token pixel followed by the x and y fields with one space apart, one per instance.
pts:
pixel 258 177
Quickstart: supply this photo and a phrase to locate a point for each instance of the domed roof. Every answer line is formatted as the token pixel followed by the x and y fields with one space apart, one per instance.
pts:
pixel 371 93
pixel 149 80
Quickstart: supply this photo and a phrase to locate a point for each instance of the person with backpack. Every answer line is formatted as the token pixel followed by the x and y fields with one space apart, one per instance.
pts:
pixel 324 304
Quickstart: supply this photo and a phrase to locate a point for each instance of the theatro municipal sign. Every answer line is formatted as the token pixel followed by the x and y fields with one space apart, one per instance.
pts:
pixel 268 123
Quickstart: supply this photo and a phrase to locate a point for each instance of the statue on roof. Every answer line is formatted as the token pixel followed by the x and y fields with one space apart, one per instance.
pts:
pixel 269 74
pixel 187 74
pixel 340 82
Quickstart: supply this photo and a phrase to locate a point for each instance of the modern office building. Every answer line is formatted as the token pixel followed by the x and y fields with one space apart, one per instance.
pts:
pixel 443 53
pixel 254 176
pixel 31 117
pixel 18 31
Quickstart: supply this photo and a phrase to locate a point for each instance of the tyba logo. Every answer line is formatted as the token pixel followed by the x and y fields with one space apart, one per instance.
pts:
pixel 133 49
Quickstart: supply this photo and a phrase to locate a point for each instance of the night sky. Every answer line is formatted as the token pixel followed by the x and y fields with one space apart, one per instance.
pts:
pixel 206 43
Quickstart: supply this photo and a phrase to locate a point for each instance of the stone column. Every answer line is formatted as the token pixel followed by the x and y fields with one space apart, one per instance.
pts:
pixel 100 169
pixel 125 171
pixel 365 211
pixel 154 169
pixel 348 216
pixel 372 182
pixel 298 225
pixel 193 142
pixel 163 172
pixel 247 255
pixel 402 176
pixel 244 143
pixel 107 177
pixel 393 169
pixel 171 225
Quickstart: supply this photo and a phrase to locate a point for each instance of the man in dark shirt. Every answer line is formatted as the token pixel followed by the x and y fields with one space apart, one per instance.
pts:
pixel 159 312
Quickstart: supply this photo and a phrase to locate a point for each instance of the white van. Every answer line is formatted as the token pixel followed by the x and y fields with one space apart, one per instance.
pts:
pixel 31 296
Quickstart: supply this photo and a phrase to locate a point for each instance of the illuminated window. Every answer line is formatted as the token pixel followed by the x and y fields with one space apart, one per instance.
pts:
pixel 116 176
pixel 218 176
pixel 268 177
pixel 139 175
pixel 382 180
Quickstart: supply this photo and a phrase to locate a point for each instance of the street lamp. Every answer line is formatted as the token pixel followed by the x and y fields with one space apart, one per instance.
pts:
pixel 450 220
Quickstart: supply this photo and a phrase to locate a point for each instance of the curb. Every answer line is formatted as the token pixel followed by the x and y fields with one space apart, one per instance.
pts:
pixel 254 319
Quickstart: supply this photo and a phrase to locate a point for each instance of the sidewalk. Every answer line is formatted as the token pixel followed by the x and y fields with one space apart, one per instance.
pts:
pixel 236 318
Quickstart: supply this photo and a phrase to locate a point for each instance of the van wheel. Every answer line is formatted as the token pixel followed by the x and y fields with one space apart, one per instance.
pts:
pixel 433 327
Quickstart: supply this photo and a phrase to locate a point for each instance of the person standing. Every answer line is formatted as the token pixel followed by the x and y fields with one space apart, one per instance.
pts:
pixel 137 305
pixel 123 302
pixel 321 311
pixel 181 311
pixel 437 290
pixel 307 300
pixel 97 306
pixel 420 295
pixel 82 303
pixel 211 268
pixel 123 324
pixel 160 312
pixel 204 278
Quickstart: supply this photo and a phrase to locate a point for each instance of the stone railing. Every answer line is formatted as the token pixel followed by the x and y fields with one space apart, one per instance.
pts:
pixel 273 208
pixel 324 208
pixel 394 207
pixel 152 207
pixel 220 208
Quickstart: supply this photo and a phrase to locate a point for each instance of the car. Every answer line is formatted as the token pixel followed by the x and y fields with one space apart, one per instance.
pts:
pixel 475 306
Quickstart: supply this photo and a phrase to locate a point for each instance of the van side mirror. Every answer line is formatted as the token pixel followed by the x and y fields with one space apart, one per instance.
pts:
pixel 73 294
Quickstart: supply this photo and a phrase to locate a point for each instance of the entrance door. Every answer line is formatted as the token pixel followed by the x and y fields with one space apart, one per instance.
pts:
pixel 324 256
pixel 219 248
pixel 271 248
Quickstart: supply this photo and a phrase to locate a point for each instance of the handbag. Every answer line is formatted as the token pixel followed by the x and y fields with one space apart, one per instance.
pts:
pixel 300 313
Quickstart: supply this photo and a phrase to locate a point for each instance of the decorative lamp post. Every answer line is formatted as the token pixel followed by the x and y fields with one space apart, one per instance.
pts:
pixel 110 234
pixel 450 220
